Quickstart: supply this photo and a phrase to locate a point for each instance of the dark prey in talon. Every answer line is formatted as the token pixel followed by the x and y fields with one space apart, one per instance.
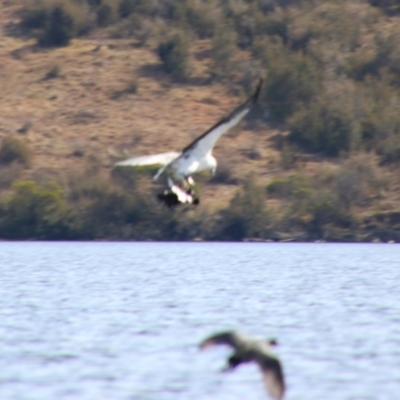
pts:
pixel 173 198
pixel 246 350
pixel 176 195
pixel 168 198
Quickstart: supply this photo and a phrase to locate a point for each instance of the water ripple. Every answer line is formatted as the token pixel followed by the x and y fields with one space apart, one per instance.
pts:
pixel 122 321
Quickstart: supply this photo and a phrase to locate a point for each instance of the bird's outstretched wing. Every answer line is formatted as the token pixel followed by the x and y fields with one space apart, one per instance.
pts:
pixel 230 338
pixel 153 159
pixel 272 374
pixel 204 143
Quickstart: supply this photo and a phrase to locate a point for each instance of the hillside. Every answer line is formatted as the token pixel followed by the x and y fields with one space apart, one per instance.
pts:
pixel 82 107
pixel 85 110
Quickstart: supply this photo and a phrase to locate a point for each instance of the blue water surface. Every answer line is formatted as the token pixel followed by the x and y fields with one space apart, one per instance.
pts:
pixel 122 321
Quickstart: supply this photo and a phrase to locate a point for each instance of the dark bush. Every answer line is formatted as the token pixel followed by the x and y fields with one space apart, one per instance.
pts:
pixel 223 48
pixel 383 57
pixel 105 15
pixel 36 211
pixel 9 173
pixel 389 150
pixel 59 29
pixel 110 211
pixel 128 7
pixel 293 79
pixel 322 128
pixel 325 214
pixel 13 149
pixel 34 18
pixel 391 7
pixel 358 180
pixel 280 188
pixel 246 216
pixel 245 27
pixel 200 20
pixel 176 11
pixel 317 211
pixel 174 56
pixel 294 187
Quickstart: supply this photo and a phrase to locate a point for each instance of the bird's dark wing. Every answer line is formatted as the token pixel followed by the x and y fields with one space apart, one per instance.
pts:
pixel 204 143
pixel 273 378
pixel 230 338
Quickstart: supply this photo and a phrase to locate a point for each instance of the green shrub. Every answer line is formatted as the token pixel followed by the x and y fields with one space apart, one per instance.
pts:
pixel 109 211
pixel 324 215
pixel 176 11
pixel 323 128
pixel 128 7
pixel 294 187
pixel 378 103
pixel 174 56
pixel 36 211
pixel 223 47
pixel 105 15
pixel 200 19
pixel 391 7
pixel 293 80
pixel 55 22
pixel 381 57
pixel 358 180
pixel 13 149
pixel 107 12
pixel 9 173
pixel 317 211
pixel 272 24
pixel 35 17
pixel 389 150
pixel 245 28
pixel 246 215
pixel 280 188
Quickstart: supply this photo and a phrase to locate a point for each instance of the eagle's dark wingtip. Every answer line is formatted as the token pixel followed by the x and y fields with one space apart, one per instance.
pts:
pixel 256 94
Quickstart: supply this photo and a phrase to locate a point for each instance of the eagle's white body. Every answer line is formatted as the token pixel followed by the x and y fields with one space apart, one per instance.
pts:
pixel 183 167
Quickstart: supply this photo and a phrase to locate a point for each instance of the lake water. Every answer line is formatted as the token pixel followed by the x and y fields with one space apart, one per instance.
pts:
pixel 122 321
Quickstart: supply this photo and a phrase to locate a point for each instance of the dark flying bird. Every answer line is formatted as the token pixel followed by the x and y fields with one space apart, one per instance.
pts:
pixel 246 350
pixel 178 167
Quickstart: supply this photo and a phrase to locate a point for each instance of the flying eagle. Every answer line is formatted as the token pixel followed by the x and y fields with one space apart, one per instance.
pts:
pixel 246 350
pixel 178 167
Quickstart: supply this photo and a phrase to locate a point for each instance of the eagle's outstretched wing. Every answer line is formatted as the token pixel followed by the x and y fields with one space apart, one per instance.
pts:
pixel 204 143
pixel 196 157
pixel 153 159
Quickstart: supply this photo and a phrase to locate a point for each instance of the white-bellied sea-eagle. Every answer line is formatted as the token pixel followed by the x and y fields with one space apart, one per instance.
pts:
pixel 178 167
